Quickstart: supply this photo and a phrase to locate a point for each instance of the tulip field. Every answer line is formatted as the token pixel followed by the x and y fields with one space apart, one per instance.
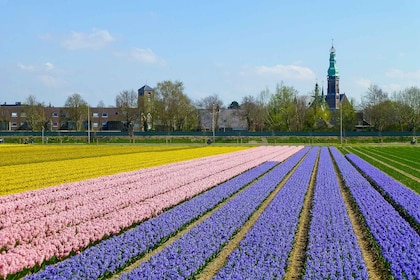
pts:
pixel 214 212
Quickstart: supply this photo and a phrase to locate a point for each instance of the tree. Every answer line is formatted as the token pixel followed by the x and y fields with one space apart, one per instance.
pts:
pixel 318 115
pixel 126 102
pixel 253 111
pixel 77 109
pixel 301 110
pixel 378 108
pixel 35 114
pixel 212 105
pixel 174 109
pixel 234 105
pixel 349 116
pixel 282 108
pixel 409 100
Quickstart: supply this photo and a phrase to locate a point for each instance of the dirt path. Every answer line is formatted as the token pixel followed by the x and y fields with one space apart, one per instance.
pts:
pixel 389 166
pixel 375 266
pixel 217 263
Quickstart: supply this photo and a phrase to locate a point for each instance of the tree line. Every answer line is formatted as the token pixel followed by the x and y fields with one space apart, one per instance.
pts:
pixel 282 110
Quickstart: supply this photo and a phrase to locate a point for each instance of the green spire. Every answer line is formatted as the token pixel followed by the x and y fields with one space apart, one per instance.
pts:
pixel 332 71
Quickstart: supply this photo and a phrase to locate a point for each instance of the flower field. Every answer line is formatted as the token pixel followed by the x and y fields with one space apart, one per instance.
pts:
pixel 31 167
pixel 209 213
pixel 402 163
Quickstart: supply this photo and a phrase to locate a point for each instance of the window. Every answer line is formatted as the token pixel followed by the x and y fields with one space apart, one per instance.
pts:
pixel 55 124
pixel 95 115
pixel 14 114
pixel 104 115
pixel 95 124
pixel 23 114
pixel 54 114
pixel 14 124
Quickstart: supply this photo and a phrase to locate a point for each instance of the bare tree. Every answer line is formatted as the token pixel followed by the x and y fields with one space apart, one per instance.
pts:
pixel 35 113
pixel 77 109
pixel 126 102
pixel 210 101
pixel 409 99
pixel 378 108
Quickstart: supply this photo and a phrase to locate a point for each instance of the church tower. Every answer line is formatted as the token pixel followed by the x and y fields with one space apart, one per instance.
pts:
pixel 333 90
pixel 146 96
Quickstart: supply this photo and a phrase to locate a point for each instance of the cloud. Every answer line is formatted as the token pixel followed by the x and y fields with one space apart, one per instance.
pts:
pixel 293 72
pixel 96 39
pixel 399 74
pixel 26 67
pixel 50 81
pixel 48 66
pixel 363 83
pixel 145 56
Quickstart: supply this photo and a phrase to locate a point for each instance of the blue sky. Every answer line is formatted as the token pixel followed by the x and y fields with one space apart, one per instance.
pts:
pixel 52 49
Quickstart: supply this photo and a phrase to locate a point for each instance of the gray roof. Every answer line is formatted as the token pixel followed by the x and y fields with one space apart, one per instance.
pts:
pixel 144 88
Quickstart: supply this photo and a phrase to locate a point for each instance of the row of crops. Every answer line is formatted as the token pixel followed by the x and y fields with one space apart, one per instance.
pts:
pixel 30 167
pixel 400 162
pixel 179 221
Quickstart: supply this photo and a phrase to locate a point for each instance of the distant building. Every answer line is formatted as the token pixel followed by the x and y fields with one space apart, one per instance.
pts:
pixel 146 96
pixel 224 120
pixel 333 97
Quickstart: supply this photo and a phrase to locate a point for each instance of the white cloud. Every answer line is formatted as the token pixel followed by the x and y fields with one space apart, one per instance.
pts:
pixel 26 67
pixel 399 74
pixel 94 40
pixel 390 88
pixel 363 83
pixel 50 81
pixel 293 72
pixel 146 56
pixel 48 66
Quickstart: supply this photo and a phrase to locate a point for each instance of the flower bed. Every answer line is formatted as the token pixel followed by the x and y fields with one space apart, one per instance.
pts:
pixel 113 254
pixel 332 250
pixel 186 255
pixel 265 248
pixel 32 241
pixel 399 243
pixel 404 197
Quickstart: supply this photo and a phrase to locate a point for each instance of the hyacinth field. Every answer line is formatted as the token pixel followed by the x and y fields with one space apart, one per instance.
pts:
pixel 173 212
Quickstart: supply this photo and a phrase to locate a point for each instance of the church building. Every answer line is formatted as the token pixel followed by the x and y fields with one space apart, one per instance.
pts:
pixel 333 97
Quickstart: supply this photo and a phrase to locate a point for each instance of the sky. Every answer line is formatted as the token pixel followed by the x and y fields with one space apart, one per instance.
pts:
pixel 232 49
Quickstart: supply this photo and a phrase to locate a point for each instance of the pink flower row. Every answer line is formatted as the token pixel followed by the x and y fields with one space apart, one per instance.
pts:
pixel 69 217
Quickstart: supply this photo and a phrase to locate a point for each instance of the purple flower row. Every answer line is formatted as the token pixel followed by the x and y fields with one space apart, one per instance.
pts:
pixel 186 255
pixel 265 248
pixel 403 196
pixel 333 250
pixel 112 254
pixel 399 243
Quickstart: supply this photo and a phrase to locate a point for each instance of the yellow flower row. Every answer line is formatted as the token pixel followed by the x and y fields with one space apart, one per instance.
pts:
pixel 30 176
pixel 22 154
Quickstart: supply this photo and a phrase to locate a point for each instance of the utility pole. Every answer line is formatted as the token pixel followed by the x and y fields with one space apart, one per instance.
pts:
pixel 341 122
pixel 214 122
pixel 88 125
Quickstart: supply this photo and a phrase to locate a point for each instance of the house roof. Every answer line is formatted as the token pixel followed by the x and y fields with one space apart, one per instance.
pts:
pixel 145 87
